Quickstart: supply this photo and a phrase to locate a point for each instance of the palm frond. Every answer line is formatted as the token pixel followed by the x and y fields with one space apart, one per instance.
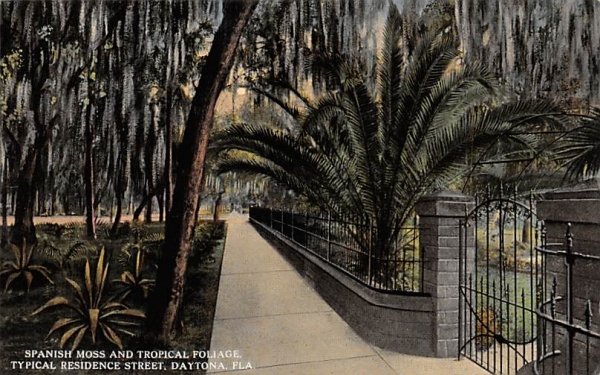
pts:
pixel 374 153
pixel 581 148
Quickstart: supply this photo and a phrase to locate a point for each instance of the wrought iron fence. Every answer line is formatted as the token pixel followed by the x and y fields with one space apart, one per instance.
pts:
pixel 347 244
pixel 569 339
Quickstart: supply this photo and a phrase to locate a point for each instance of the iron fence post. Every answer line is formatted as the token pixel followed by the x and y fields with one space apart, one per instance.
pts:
pixel 370 243
pixel 328 235
pixel 569 260
pixel 306 241
pixel 292 225
pixel 460 286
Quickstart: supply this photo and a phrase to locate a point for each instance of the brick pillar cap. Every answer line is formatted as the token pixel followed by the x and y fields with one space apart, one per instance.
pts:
pixel 588 189
pixel 446 196
pixel 444 204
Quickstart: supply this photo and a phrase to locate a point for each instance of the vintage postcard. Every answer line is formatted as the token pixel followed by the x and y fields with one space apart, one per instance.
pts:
pixel 300 187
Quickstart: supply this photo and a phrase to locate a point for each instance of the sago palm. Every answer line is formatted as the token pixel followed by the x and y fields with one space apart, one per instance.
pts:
pixel 358 152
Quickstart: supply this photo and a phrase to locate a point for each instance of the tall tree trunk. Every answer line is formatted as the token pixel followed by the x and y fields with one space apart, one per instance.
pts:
pixel 118 213
pixel 149 159
pixel 89 172
pixel 170 90
pixel 168 154
pixel 4 203
pixel 119 186
pixel 123 140
pixel 165 304
pixel 161 207
pixel 217 206
pixel 23 229
pixel 147 198
pixel 526 231
pixel 52 196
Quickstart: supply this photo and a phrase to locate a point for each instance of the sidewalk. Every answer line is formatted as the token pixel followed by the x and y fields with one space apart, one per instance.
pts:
pixel 280 325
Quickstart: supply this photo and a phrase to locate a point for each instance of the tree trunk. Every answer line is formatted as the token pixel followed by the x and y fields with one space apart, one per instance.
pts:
pixel 23 229
pixel 169 126
pixel 161 207
pixel 165 303
pixel 89 172
pixel 118 189
pixel 120 178
pixel 138 211
pixel 4 203
pixel 115 226
pixel 119 185
pixel 148 216
pixel 217 206
pixel 147 198
pixel 168 155
pixel 526 232
pixel 149 159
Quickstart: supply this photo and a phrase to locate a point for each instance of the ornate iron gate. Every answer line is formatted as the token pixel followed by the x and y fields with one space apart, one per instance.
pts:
pixel 499 275
pixel 568 338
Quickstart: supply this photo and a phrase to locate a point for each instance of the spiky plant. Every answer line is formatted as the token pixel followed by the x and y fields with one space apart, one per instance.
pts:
pixel 359 152
pixel 133 283
pixel 93 311
pixel 149 243
pixel 581 147
pixel 23 267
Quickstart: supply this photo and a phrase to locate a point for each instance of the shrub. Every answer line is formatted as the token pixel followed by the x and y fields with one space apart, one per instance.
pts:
pixel 487 326
pixel 205 238
pixel 93 311
pixel 63 253
pixel 132 283
pixel 23 267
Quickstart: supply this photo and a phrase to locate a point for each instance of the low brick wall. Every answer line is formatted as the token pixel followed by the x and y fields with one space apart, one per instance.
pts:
pixel 401 323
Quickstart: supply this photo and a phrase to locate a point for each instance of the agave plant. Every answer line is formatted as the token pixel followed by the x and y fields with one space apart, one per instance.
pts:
pixel 149 243
pixel 93 311
pixel 133 283
pixel 23 266
pixel 361 152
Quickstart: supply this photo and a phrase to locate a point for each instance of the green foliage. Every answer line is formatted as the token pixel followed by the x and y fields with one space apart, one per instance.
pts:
pixel 94 312
pixel 63 251
pixel 103 228
pixel 124 230
pixel 132 283
pixel 486 327
pixel 581 148
pixel 9 64
pixel 143 241
pixel 205 238
pixel 374 153
pixel 71 229
pixel 23 267
pixel 139 254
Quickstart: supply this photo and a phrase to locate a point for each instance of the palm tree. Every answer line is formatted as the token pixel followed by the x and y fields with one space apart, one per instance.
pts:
pixel 581 147
pixel 357 151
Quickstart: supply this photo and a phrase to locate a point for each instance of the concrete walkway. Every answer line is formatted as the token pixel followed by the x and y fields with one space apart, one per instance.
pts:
pixel 280 325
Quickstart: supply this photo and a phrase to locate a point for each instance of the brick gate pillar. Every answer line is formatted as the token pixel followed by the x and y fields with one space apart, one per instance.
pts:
pixel 440 216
